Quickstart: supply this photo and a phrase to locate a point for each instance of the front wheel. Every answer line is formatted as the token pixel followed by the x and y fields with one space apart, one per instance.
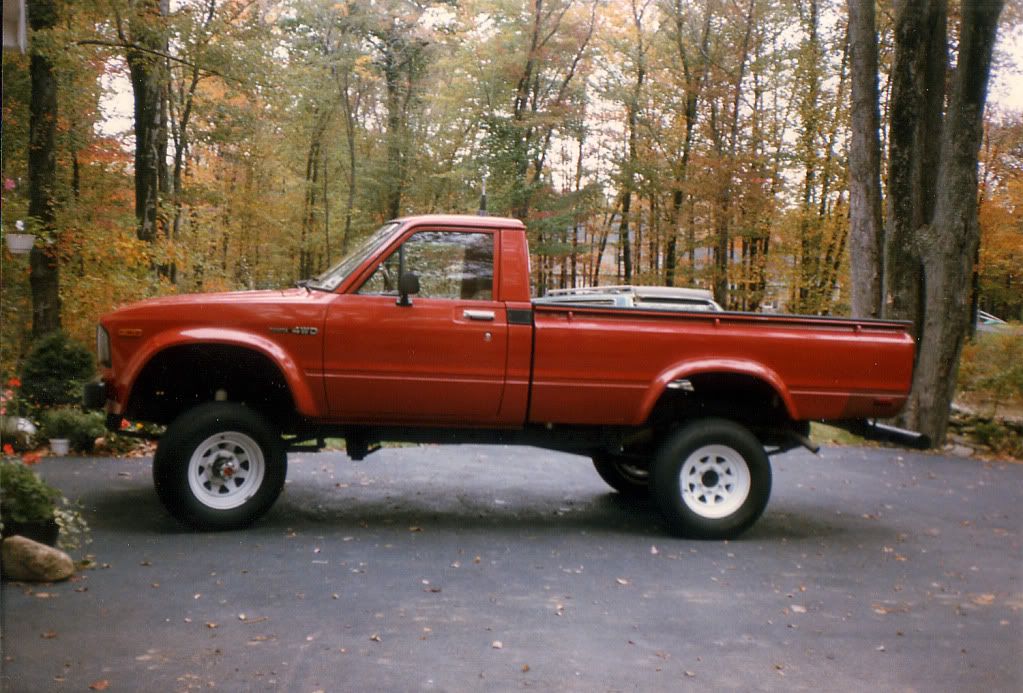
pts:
pixel 711 479
pixel 219 466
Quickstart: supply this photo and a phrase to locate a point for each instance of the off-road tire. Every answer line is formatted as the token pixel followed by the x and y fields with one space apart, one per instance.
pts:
pixel 219 466
pixel 627 475
pixel 710 479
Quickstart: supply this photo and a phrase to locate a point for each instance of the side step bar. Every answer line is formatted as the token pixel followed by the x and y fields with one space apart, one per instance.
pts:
pixel 884 433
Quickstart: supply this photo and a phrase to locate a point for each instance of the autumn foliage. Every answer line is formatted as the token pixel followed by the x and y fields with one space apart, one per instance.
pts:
pixel 701 144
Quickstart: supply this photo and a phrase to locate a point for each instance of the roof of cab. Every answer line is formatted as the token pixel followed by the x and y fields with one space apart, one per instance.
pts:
pixel 469 220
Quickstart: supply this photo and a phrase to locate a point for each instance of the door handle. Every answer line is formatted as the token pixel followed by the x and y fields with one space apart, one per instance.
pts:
pixel 487 315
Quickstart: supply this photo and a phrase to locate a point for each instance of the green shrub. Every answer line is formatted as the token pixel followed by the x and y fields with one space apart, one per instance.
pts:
pixel 26 499
pixel 992 367
pixel 999 438
pixel 56 371
pixel 80 428
pixel 24 496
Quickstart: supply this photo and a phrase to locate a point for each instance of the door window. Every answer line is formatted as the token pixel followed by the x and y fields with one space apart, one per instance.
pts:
pixel 450 265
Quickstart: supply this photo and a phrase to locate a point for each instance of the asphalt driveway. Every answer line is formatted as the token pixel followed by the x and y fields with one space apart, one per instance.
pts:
pixel 492 569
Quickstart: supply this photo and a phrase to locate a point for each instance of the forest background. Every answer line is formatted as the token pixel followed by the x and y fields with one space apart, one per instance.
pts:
pixel 704 144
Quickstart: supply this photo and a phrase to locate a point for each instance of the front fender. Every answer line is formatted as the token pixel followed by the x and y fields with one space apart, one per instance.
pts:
pixel 301 392
pixel 688 369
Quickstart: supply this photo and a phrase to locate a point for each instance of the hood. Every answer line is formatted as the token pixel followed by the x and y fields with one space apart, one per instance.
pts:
pixel 221 306
pixel 230 297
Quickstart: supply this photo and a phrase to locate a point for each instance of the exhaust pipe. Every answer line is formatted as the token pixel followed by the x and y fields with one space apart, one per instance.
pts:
pixel 884 433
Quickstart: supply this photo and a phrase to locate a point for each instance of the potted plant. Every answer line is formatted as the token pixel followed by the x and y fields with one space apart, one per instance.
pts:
pixel 71 429
pixel 34 509
pixel 58 425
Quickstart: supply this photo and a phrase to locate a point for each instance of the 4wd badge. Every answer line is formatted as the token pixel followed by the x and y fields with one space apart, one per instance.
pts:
pixel 310 331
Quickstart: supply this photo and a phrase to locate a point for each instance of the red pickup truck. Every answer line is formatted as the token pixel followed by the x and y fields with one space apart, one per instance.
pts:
pixel 428 333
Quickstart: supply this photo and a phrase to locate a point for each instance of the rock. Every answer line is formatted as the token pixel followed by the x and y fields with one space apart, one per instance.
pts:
pixel 24 559
pixel 958 450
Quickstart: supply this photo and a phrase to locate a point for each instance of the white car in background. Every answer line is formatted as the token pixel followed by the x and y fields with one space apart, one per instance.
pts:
pixel 989 323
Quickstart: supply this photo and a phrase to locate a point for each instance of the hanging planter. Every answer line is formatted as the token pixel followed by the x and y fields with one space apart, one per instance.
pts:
pixel 20 243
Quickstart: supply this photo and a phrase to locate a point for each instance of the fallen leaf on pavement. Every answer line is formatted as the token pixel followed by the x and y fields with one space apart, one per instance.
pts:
pixel 100 685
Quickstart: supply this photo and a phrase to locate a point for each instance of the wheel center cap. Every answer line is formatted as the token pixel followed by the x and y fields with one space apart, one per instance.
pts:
pixel 225 468
pixel 710 479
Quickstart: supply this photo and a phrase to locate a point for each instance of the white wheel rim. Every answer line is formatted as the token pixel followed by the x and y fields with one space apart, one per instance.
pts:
pixel 715 481
pixel 226 470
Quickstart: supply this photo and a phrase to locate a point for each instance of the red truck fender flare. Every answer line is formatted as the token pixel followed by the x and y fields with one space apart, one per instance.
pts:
pixel 688 369
pixel 305 402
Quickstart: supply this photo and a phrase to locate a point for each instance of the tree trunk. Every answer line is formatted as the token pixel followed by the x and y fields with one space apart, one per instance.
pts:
pixel 632 111
pixel 148 88
pixel 395 131
pixel 723 231
pixel 915 125
pixel 809 69
pixel 865 229
pixel 694 78
pixel 949 244
pixel 351 106
pixel 42 176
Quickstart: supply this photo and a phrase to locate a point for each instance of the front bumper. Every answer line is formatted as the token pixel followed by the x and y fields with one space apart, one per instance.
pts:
pixel 95 395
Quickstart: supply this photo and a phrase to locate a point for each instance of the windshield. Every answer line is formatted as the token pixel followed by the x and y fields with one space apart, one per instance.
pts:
pixel 332 278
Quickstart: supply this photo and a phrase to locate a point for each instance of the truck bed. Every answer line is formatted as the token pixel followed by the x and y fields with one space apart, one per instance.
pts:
pixel 610 365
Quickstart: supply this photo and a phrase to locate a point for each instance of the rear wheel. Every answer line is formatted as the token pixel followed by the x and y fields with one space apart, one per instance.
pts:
pixel 711 479
pixel 628 475
pixel 219 466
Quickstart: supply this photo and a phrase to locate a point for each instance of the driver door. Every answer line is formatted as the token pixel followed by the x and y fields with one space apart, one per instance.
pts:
pixel 442 359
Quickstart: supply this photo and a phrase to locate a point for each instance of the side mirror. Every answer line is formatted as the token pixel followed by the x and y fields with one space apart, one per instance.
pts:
pixel 408 284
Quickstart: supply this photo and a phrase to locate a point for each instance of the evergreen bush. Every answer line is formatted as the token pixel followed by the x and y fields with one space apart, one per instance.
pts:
pixel 56 371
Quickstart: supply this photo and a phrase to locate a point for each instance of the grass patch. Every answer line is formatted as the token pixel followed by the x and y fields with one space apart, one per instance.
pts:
pixel 829 435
